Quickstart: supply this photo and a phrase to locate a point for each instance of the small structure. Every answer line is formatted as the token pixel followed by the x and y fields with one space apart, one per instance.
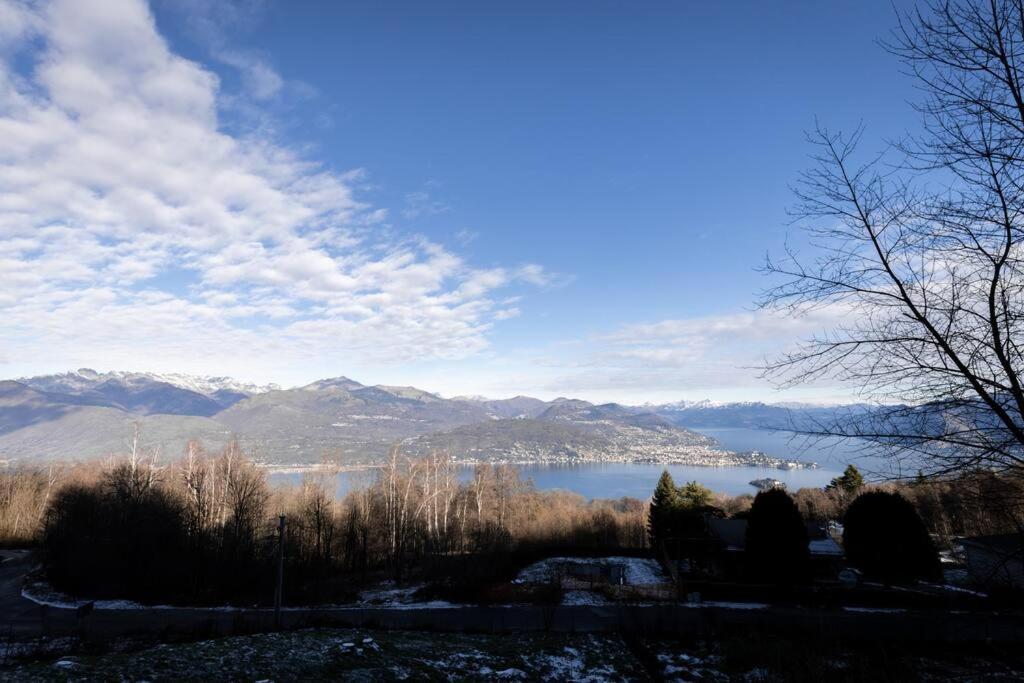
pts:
pixel 591 573
pixel 995 560
pixel 619 578
pixel 731 536
pixel 731 532
pixel 826 554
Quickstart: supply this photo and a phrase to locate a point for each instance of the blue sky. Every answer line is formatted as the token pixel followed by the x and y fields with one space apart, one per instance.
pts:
pixel 489 198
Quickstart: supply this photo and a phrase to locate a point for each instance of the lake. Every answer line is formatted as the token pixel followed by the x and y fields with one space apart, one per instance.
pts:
pixel 614 480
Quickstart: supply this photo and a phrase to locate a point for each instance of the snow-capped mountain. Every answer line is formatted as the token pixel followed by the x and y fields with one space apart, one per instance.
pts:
pixel 748 414
pixel 84 380
pixel 211 385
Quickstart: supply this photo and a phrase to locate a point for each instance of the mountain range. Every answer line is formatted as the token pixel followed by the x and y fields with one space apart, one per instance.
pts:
pixel 86 414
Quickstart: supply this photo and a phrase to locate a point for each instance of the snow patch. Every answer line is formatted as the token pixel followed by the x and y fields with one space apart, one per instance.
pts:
pixel 400 598
pixel 576 598
pixel 43 593
pixel 727 605
pixel 638 571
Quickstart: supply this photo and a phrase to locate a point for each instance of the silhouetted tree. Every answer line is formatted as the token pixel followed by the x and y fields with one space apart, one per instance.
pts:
pixel 920 257
pixel 776 539
pixel 102 543
pixel 886 539
pixel 662 510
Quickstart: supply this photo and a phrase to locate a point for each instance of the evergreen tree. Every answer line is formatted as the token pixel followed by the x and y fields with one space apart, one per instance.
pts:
pixel 693 495
pixel 885 538
pixel 850 482
pixel 777 539
pixel 664 504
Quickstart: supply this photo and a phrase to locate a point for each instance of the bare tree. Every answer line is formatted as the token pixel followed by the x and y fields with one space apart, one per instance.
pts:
pixel 199 481
pixel 134 476
pixel 922 257
pixel 318 516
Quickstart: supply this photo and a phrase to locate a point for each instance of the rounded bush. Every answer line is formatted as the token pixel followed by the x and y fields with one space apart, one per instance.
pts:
pixel 886 539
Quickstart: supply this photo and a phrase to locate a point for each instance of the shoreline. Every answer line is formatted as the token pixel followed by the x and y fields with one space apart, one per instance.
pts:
pixel 298 468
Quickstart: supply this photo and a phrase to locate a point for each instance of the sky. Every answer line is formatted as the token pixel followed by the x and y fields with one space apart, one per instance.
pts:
pixel 544 198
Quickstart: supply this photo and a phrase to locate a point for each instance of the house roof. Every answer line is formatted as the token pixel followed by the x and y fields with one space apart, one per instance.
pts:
pixel 1004 544
pixel 825 546
pixel 732 532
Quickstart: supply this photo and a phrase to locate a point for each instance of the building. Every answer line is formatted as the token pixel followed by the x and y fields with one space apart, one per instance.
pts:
pixel 995 560
pixel 826 555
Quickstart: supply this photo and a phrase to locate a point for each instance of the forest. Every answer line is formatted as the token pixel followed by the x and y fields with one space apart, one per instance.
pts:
pixel 204 529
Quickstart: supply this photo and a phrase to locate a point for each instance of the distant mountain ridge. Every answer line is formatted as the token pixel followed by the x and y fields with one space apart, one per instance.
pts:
pixel 84 414
pixel 750 414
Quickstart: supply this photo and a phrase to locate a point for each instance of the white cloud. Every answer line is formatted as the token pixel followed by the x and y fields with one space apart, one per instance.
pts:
pixel 422 203
pixel 212 22
pixel 714 355
pixel 261 80
pixel 136 232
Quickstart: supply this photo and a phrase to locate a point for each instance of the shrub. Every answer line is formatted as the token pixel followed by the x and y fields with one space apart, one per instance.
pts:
pixel 111 546
pixel 886 539
pixel 776 539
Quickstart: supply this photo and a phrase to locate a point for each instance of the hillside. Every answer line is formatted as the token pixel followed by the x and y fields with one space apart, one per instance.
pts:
pixel 341 419
pixel 47 426
pixel 86 414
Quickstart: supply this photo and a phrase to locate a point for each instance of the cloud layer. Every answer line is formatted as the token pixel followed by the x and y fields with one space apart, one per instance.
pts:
pixel 136 232
pixel 715 355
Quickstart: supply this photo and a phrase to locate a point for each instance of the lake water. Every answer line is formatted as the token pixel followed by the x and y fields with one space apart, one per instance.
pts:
pixel 614 480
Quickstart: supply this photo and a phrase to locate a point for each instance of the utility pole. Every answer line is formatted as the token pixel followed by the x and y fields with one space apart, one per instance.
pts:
pixel 280 573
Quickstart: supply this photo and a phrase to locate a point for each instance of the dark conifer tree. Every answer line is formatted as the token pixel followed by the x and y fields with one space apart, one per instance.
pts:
pixel 777 539
pixel 662 511
pixel 849 483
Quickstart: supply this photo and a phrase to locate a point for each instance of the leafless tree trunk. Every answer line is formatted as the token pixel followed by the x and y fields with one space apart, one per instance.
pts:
pixel 921 259
pixel 482 476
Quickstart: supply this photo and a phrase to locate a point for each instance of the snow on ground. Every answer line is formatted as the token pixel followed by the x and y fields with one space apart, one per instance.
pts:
pixel 577 598
pixel 680 666
pixel 387 594
pixel 356 654
pixel 956 589
pixel 729 605
pixel 639 571
pixel 570 665
pixel 42 593
pixel 400 598
pixel 11 651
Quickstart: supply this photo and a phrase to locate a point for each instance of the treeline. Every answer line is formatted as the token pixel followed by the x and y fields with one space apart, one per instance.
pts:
pixel 972 503
pixel 884 536
pixel 203 529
